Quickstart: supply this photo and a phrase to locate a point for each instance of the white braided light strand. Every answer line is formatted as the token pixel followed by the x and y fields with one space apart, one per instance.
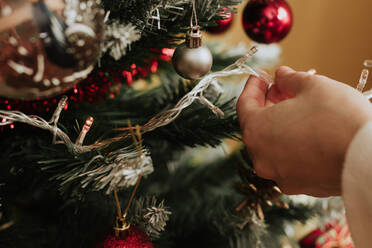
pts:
pixel 168 116
pixel 159 120
pixel 368 93
pixel 10 117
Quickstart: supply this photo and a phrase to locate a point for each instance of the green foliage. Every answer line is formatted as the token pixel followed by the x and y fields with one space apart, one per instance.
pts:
pixel 201 197
pixel 173 22
pixel 201 200
pixel 197 125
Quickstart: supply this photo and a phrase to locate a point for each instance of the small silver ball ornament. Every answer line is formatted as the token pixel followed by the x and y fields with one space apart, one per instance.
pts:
pixel 191 60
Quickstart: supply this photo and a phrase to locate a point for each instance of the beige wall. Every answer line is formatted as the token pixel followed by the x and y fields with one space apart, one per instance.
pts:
pixel 333 36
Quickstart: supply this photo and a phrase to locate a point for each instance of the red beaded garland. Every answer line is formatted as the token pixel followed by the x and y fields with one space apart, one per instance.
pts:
pixel 98 86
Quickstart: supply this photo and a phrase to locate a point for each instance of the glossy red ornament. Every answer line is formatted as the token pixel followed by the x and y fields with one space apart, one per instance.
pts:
pixel 222 24
pixel 136 239
pixel 267 21
pixel 309 240
pixel 334 234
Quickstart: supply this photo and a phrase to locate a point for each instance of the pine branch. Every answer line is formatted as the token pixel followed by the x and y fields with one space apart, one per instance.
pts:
pixel 196 125
pixel 77 172
pixel 150 216
pixel 201 199
pixel 173 17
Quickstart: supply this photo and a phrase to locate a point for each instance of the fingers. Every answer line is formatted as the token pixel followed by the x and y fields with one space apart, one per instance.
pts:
pixel 264 170
pixel 253 96
pixel 290 82
pixel 275 96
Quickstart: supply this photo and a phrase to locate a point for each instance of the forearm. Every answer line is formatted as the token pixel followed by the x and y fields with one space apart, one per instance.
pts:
pixel 357 186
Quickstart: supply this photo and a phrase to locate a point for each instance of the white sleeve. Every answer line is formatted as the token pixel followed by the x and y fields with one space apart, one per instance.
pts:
pixel 357 187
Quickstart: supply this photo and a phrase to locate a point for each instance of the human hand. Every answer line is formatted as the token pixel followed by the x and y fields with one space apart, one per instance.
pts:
pixel 298 131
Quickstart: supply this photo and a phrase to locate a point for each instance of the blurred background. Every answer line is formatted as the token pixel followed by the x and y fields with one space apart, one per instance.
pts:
pixel 332 36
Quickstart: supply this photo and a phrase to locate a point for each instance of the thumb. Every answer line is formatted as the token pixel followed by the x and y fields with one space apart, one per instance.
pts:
pixel 290 82
pixel 253 96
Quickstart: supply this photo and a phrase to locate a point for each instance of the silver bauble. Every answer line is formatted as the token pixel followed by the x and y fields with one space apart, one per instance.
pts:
pixel 191 60
pixel 192 63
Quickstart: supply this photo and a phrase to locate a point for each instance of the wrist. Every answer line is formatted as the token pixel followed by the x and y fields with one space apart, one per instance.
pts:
pixel 361 119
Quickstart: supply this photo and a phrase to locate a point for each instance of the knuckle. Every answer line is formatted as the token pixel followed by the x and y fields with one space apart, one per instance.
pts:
pixel 239 110
pixel 319 90
pixel 248 124
pixel 283 71
pixel 239 105
pixel 324 78
pixel 283 172
pixel 250 148
pixel 247 140
pixel 304 78
pixel 264 171
pixel 249 134
pixel 286 189
pixel 289 188
pixel 304 75
pixel 240 101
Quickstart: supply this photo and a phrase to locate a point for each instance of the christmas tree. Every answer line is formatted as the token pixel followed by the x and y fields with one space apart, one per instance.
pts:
pixel 132 156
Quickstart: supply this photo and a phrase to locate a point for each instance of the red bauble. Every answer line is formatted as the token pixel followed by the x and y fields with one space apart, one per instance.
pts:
pixel 334 234
pixel 309 240
pixel 267 21
pixel 136 239
pixel 223 24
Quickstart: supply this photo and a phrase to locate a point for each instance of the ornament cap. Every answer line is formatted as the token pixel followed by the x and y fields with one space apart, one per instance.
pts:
pixel 121 228
pixel 194 37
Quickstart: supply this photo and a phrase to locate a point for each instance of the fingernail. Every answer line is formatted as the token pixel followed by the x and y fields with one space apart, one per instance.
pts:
pixel 312 71
pixel 265 76
pixel 252 76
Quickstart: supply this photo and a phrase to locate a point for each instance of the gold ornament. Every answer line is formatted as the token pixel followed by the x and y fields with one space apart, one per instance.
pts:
pixel 46 47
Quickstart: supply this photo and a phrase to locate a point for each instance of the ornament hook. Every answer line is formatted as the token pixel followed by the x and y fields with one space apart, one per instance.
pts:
pixel 193 15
